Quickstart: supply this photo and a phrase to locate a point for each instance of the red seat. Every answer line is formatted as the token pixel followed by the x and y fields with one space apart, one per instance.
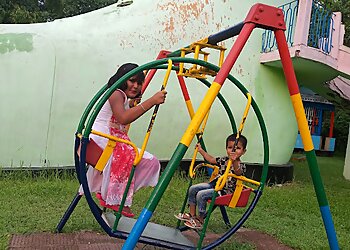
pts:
pixel 93 152
pixel 243 199
pixel 224 200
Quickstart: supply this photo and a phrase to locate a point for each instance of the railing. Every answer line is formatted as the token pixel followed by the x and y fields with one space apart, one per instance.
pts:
pixel 290 11
pixel 320 30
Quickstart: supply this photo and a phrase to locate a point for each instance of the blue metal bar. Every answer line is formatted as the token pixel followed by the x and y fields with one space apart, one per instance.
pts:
pixel 225 34
pixel 245 216
pixel 69 211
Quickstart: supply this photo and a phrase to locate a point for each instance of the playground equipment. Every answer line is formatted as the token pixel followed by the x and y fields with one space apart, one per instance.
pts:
pixel 141 230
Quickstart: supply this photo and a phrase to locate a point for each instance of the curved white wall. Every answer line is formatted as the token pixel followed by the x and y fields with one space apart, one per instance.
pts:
pixel 50 71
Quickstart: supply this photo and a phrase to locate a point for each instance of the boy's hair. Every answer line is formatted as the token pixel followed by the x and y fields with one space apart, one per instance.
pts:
pixel 125 68
pixel 241 139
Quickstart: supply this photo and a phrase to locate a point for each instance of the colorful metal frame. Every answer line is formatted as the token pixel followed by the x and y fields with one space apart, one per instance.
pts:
pixel 85 126
pixel 259 16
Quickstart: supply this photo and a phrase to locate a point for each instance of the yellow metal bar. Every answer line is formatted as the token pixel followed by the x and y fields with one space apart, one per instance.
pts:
pixel 107 152
pixel 206 57
pixel 245 179
pixel 214 167
pixel 116 139
pixel 192 173
pixel 214 173
pixel 200 114
pixel 196 52
pixel 167 74
pixel 190 108
pixel 145 141
pixel 245 114
pixel 303 126
pixel 191 170
pixel 144 145
pixel 222 55
pixel 236 194
pixel 204 44
pixel 223 179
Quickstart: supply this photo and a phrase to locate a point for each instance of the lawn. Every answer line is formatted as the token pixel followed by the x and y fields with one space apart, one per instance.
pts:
pixel 289 212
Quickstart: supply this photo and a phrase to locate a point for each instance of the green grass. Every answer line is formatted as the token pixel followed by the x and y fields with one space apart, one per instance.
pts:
pixel 290 212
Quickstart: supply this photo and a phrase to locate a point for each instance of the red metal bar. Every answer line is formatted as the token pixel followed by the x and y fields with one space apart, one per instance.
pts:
pixel 183 87
pixel 314 116
pixel 287 64
pixel 266 17
pixel 162 54
pixel 234 53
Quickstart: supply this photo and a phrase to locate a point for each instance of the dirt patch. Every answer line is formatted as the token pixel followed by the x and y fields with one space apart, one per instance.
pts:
pixel 259 240
pixel 93 240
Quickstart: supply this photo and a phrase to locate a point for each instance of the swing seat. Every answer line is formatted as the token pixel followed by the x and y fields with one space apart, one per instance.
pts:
pixel 93 152
pixel 225 200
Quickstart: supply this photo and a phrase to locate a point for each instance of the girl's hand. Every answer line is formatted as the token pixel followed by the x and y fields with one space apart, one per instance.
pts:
pixel 159 97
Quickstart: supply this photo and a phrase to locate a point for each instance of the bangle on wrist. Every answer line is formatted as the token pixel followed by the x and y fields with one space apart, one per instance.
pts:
pixel 142 107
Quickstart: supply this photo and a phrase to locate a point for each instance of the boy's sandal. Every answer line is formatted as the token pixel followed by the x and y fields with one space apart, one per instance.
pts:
pixel 183 216
pixel 194 223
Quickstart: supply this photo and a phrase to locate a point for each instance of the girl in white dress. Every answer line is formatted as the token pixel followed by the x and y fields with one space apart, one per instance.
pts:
pixel 113 119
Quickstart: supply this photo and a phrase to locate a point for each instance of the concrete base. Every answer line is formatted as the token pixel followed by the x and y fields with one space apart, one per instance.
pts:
pixel 277 174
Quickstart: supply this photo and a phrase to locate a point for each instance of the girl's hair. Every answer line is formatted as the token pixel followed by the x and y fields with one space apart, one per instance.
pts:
pixel 241 139
pixel 125 68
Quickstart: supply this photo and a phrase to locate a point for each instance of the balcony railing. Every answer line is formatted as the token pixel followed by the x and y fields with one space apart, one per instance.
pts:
pixel 290 11
pixel 320 30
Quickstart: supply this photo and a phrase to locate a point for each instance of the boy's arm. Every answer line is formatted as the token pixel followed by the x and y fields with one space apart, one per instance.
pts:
pixel 238 168
pixel 206 156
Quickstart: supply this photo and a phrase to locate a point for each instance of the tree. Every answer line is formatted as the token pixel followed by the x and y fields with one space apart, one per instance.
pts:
pixel 77 7
pixel 342 6
pixel 34 11
pixel 342 108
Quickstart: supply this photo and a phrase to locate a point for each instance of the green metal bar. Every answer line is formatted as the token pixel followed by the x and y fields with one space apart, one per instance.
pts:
pixel 206 221
pixel 316 179
pixel 168 173
pixel 184 203
pixel 89 108
pixel 121 206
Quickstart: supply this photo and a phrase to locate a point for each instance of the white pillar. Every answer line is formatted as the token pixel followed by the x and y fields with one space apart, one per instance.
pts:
pixel 346 172
pixel 302 25
pixel 337 35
